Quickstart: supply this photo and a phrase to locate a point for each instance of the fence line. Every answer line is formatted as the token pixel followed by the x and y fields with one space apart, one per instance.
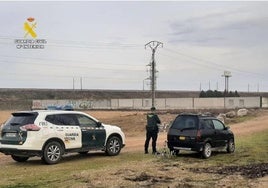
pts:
pixel 161 103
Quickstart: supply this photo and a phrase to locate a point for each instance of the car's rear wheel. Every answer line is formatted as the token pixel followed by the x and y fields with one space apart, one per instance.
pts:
pixel 113 146
pixel 19 158
pixel 206 153
pixel 230 146
pixel 52 153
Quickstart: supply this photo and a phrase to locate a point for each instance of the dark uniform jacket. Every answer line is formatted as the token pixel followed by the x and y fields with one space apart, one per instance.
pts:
pixel 152 121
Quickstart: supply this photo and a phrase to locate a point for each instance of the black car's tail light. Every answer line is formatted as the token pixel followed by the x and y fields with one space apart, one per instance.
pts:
pixel 198 135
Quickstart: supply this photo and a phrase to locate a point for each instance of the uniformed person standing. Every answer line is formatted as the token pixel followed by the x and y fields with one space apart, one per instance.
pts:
pixel 151 130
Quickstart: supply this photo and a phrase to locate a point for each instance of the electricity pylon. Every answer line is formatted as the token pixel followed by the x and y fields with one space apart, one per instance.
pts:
pixel 153 45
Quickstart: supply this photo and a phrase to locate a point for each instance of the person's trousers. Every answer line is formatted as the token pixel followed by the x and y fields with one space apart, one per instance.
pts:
pixel 150 135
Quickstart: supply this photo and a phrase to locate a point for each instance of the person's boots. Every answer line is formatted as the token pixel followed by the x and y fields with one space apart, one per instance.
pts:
pixel 155 152
pixel 146 151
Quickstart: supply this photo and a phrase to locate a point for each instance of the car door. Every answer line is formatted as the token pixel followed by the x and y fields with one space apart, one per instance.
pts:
pixel 65 126
pixel 208 131
pixel 93 133
pixel 220 133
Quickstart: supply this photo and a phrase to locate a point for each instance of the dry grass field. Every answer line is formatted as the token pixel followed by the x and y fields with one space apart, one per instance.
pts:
pixel 247 167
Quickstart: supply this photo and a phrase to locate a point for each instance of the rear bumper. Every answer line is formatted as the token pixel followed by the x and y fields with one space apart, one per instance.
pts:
pixel 18 152
pixel 186 146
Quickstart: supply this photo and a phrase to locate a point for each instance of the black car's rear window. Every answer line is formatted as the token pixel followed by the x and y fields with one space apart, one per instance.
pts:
pixel 22 118
pixel 185 122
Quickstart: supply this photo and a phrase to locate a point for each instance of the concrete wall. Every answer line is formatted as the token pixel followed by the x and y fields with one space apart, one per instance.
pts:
pixel 208 103
pixel 77 104
pixel 242 102
pixel 264 102
pixel 179 103
pixel 160 103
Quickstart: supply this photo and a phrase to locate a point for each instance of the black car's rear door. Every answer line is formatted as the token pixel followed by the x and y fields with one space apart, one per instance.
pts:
pixel 209 132
pixel 220 133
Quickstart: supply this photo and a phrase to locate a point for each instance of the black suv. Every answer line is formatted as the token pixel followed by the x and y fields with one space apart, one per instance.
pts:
pixel 199 133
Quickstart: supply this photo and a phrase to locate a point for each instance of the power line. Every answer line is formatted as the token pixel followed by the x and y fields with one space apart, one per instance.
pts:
pixel 71 66
pixel 209 64
pixel 45 75
pixel 69 60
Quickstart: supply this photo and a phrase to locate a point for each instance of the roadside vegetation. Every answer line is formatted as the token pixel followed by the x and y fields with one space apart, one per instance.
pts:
pixel 134 169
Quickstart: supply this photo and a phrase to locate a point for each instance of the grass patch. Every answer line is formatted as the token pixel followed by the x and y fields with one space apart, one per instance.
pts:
pixel 99 170
pixel 242 119
pixel 34 173
pixel 253 148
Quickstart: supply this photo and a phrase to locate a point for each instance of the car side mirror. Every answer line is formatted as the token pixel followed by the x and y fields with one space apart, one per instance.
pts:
pixel 99 124
pixel 227 128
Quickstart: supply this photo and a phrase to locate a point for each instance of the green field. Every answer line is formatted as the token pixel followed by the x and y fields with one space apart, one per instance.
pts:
pixel 134 169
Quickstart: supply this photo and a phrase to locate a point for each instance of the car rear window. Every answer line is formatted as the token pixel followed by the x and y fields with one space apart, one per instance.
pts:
pixel 185 122
pixel 22 119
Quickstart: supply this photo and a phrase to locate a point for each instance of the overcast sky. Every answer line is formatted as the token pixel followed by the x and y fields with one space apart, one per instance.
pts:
pixel 102 43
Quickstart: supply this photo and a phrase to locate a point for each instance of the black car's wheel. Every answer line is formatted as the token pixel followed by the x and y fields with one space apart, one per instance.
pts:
pixel 230 146
pixel 19 158
pixel 52 153
pixel 206 153
pixel 113 146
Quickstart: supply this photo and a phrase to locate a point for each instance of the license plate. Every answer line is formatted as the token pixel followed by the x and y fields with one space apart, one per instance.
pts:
pixel 182 137
pixel 11 134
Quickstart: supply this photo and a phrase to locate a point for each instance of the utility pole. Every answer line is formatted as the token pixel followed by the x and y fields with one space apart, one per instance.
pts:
pixel 153 45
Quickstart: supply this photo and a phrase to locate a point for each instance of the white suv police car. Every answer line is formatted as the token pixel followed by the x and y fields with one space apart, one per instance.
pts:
pixel 50 133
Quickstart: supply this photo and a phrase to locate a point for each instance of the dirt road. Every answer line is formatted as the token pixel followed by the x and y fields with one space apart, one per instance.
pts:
pixel 136 134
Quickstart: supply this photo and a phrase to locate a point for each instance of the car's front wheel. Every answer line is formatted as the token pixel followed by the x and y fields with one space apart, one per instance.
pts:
pixel 230 146
pixel 206 153
pixel 52 153
pixel 19 158
pixel 113 146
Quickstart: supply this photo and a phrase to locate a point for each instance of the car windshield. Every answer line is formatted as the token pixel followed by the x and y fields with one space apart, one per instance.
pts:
pixel 185 122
